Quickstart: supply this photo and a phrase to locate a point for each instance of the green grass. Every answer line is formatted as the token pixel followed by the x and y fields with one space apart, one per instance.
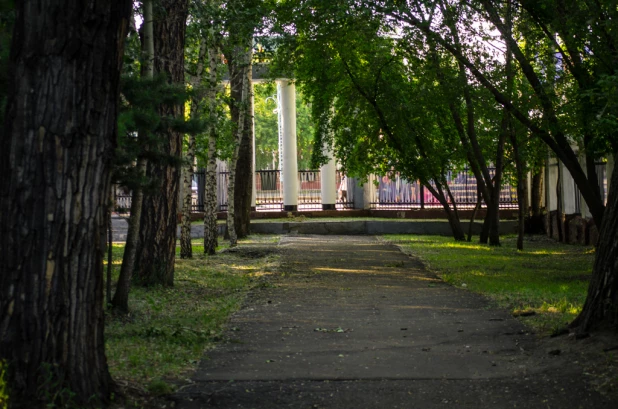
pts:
pixel 548 278
pixel 168 329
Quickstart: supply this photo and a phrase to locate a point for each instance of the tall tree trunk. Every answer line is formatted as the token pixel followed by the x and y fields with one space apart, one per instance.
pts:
pixel 244 171
pixel 110 258
pixel 56 150
pixel 494 229
pixel 186 249
pixel 494 214
pixel 120 301
pixel 477 207
pixel 521 191
pixel 559 210
pixel 239 64
pixel 210 198
pixel 484 236
pixel 601 307
pixel 157 244
pixel 451 214
pixel 536 195
pixel 242 111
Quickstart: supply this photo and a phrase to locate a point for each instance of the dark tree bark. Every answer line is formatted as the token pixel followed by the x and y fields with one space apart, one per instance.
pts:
pixel 601 307
pixel 211 240
pixel 477 207
pixel 559 210
pixel 56 148
pixel 244 166
pixel 157 244
pixel 244 179
pixel 120 302
pixel 521 191
pixel 451 213
pixel 110 258
pixel 186 248
pixel 535 224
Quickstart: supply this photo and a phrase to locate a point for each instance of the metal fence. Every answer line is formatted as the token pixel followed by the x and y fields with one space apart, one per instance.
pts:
pixel 269 191
pixel 395 192
pixel 387 192
pixel 390 191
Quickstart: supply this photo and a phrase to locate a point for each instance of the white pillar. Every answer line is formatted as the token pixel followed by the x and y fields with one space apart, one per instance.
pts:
pixel 287 96
pixel 328 181
pixel 253 185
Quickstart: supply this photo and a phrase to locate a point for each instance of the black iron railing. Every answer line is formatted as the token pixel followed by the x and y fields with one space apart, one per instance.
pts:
pixel 391 191
pixel 397 193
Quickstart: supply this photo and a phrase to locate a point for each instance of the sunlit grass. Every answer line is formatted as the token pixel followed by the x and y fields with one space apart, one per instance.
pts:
pixel 548 278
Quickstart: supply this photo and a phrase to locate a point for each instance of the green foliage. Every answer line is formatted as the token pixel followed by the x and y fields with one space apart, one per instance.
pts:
pixel 140 126
pixel 385 118
pixel 549 278
pixel 266 129
pixel 605 96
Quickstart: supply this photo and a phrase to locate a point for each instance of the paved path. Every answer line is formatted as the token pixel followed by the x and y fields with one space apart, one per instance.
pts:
pixel 354 323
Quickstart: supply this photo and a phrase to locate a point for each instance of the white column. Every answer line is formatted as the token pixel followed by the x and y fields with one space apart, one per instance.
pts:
pixel 328 181
pixel 253 185
pixel 289 173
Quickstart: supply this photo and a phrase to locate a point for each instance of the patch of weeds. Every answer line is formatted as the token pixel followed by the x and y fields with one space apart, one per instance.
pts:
pixel 298 219
pixel 159 387
pixel 548 278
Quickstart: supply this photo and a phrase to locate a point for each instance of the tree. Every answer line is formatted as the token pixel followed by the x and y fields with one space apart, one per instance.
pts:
pixel 57 144
pixel 239 62
pixel 241 22
pixel 186 249
pixel 573 96
pixel 383 121
pixel 210 203
pixel 588 57
pixel 157 245
pixel 121 297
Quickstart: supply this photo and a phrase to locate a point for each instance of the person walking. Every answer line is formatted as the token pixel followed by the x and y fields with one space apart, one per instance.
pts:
pixel 343 189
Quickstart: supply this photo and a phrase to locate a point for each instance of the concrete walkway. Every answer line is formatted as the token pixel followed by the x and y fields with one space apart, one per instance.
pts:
pixel 354 323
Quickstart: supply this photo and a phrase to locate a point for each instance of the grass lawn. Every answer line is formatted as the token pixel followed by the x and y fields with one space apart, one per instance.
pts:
pixel 168 329
pixel 547 278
